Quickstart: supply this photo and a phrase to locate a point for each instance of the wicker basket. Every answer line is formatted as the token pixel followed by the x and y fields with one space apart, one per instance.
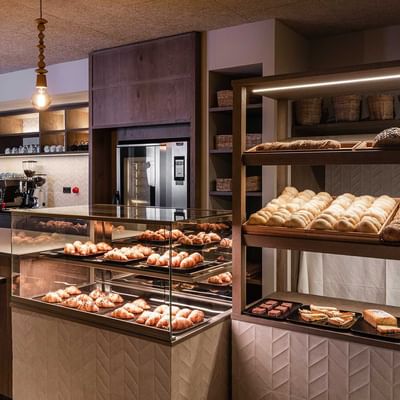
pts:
pixel 308 111
pixel 347 108
pixel 380 106
pixel 224 142
pixel 223 185
pixel 253 184
pixel 225 98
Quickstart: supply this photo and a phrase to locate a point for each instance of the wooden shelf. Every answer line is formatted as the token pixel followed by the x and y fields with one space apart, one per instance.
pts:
pixel 330 246
pixel 16 135
pixel 220 151
pixel 346 128
pixel 53 132
pixel 356 306
pixel 250 107
pixel 322 157
pixel 248 194
pixel 64 153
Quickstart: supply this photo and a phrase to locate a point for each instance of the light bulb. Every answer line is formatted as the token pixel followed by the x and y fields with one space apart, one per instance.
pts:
pixel 41 99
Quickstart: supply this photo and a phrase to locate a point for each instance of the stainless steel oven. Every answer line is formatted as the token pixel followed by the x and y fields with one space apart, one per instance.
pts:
pixel 154 174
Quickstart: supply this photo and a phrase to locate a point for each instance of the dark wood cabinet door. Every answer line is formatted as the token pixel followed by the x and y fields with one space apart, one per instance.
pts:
pixel 142 84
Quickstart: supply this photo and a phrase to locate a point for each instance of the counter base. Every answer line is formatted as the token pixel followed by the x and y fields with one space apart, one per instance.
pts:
pixel 55 358
pixel 271 363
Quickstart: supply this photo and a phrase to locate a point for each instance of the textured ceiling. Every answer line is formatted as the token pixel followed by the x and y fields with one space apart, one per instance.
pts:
pixel 77 27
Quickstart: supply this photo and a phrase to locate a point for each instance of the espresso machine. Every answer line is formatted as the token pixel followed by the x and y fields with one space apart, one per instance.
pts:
pixel 32 188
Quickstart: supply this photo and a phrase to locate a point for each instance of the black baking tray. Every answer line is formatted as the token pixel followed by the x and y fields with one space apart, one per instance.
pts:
pixel 181 271
pixel 198 246
pixel 284 316
pixel 362 327
pixel 121 262
pixel 61 253
pixel 296 318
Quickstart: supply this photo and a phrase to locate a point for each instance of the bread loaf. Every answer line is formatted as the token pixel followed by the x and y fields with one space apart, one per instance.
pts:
pixel 387 329
pixel 298 145
pixel 379 317
pixel 388 137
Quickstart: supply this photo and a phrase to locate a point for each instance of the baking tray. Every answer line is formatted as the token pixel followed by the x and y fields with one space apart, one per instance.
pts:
pixel 362 327
pixel 369 145
pixel 121 262
pixel 180 271
pixel 319 234
pixel 61 253
pixel 198 246
pixel 295 317
pixel 284 316
pixel 345 146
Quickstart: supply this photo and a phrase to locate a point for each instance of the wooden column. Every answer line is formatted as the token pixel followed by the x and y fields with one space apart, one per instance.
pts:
pixel 239 198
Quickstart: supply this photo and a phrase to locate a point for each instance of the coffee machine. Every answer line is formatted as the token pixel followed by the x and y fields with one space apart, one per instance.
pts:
pixel 32 188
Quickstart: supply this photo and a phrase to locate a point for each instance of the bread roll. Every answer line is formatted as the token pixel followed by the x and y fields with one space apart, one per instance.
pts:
pixel 379 317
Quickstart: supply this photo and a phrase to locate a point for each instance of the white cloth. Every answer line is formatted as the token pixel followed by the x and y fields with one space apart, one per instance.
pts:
pixel 356 278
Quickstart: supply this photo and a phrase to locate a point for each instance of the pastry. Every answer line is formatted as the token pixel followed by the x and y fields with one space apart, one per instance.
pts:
pixel 104 302
pixel 63 293
pixel 72 302
pixel 143 317
pixel 379 317
pixel 142 303
pixel 69 248
pixel 274 313
pixel 133 308
pixel 258 310
pixel 95 294
pixel 152 319
pixel 388 329
pixel 102 246
pixel 162 309
pixel 196 316
pixel 115 298
pixel 88 306
pixel 122 313
pixel 164 322
pixel 184 312
pixel 72 290
pixel 388 137
pixel 52 297
pixel 298 145
pixel 180 323
pixel 84 297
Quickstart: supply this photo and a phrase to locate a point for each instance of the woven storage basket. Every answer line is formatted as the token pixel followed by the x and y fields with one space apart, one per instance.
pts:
pixel 223 142
pixel 253 183
pixel 347 108
pixel 308 111
pixel 223 185
pixel 253 139
pixel 225 98
pixel 380 106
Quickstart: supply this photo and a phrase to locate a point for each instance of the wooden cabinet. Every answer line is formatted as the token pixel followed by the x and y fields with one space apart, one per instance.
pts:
pixel 144 83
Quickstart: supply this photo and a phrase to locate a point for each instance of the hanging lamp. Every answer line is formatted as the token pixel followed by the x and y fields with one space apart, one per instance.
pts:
pixel 41 99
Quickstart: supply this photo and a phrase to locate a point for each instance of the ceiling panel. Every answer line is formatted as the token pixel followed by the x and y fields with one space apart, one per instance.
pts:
pixel 77 27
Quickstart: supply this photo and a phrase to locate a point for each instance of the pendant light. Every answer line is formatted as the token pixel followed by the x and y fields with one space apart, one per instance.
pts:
pixel 41 99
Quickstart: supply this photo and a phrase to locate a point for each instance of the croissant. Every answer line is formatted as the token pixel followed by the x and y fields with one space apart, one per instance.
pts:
pixel 185 312
pixel 153 319
pixel 173 310
pixel 69 248
pixel 180 323
pixel 72 290
pixel 196 316
pixel 104 302
pixel 52 297
pixel 115 298
pixel 162 309
pixel 122 313
pixel 95 294
pixel 143 317
pixel 183 254
pixel 187 263
pixel 88 306
pixel 142 303
pixel 133 308
pixel 72 302
pixel 176 261
pixel 63 293
pixel 84 297
pixel 153 259
pixel 164 322
pixel 102 246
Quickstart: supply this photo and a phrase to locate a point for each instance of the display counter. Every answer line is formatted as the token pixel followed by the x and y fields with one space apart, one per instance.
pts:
pixel 121 300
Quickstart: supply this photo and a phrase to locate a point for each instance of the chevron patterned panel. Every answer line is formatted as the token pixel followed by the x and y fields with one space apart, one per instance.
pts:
pixel 200 366
pixel 62 360
pixel 317 368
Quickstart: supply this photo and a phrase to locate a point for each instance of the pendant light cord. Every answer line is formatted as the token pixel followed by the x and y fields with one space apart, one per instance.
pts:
pixel 40 8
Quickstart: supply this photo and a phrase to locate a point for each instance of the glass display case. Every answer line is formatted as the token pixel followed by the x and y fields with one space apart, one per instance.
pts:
pixel 158 272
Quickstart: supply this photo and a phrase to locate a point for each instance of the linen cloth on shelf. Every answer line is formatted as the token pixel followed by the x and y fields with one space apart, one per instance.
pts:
pixel 356 278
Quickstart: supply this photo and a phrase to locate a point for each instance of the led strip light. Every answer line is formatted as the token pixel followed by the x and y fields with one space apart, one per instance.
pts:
pixel 332 83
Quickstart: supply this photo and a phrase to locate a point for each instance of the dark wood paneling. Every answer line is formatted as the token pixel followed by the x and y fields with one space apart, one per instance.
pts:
pixel 5 328
pixel 146 133
pixel 107 68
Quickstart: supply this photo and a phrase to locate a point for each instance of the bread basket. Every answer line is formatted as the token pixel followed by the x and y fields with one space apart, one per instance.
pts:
pixel 308 111
pixel 380 106
pixel 347 108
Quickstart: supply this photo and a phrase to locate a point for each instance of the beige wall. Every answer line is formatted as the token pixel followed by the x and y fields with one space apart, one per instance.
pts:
pixel 61 171
pixel 370 46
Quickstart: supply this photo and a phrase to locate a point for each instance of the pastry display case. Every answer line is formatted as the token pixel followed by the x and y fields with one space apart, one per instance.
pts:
pixel 161 273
